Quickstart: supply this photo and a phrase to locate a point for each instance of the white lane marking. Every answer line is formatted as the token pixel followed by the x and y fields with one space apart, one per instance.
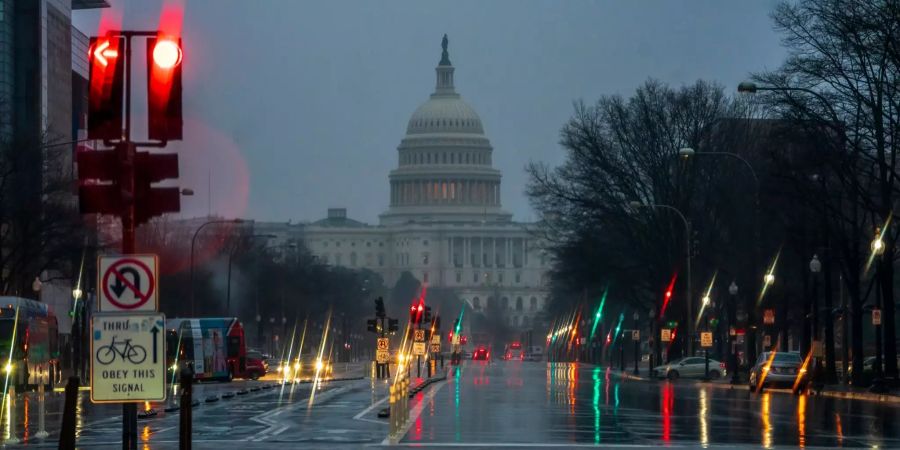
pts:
pixel 373 406
pixel 275 427
pixel 415 413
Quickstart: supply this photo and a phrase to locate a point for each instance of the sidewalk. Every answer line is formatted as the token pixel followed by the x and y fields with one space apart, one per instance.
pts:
pixel 831 390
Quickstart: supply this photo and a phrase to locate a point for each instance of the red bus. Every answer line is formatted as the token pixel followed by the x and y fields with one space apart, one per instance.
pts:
pixel 214 346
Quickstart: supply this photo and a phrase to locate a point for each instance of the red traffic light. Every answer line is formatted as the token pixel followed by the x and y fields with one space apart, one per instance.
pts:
pixel 103 51
pixel 412 308
pixel 668 294
pixel 420 307
pixel 166 53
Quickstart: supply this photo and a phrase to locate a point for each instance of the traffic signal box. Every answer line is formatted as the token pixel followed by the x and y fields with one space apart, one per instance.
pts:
pixel 119 181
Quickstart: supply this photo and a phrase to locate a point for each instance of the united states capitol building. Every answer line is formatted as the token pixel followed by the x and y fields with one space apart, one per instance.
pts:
pixel 445 224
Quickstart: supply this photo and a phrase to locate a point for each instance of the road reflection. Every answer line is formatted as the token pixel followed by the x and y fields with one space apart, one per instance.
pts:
pixel 764 405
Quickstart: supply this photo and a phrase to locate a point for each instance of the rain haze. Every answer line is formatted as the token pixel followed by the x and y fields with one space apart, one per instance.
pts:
pixel 284 99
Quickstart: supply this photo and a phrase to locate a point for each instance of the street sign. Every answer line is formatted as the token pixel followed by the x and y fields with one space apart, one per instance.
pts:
pixel 128 357
pixel 382 356
pixel 665 335
pixel 769 316
pixel 706 339
pixel 382 344
pixel 876 317
pixel 436 338
pixel 635 335
pixel 419 336
pixel 435 348
pixel 128 283
pixel 455 339
pixel 418 348
pixel 767 341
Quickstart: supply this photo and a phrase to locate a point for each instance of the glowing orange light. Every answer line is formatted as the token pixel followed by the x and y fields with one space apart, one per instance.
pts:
pixel 166 54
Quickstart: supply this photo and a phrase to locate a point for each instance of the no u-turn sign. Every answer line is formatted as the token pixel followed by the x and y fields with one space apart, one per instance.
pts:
pixel 127 283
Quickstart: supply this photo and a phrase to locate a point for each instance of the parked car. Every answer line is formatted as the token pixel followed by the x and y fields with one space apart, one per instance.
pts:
pixel 257 366
pixel 869 366
pixel 784 369
pixel 690 367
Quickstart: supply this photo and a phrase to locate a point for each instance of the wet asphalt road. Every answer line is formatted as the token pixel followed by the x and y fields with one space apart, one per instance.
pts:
pixel 511 405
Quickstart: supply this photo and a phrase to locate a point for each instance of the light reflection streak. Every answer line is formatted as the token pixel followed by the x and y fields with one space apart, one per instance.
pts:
pixel 704 414
pixel 801 421
pixel 4 407
pixel 839 429
pixel 457 427
pixel 596 378
pixel 667 404
pixel 25 405
pixel 766 420
pixel 316 384
pixel 706 295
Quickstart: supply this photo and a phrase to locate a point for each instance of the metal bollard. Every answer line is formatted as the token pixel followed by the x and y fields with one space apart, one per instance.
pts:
pixel 11 400
pixel 42 412
pixel 67 428
pixel 393 410
pixel 185 419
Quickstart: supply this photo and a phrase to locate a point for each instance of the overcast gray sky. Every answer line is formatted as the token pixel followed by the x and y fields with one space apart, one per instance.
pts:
pixel 294 106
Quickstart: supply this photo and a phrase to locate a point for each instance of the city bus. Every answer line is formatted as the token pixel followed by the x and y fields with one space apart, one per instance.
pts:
pixel 29 342
pixel 214 347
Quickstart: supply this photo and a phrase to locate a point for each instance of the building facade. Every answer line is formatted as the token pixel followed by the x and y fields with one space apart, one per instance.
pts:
pixel 444 224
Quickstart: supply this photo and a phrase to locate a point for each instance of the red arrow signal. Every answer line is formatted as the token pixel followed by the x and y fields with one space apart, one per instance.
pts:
pixel 102 53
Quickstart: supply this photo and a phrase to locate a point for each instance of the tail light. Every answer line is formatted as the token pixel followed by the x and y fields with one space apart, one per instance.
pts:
pixel 721 365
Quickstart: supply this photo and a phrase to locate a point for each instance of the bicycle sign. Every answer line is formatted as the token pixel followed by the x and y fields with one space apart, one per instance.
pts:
pixel 128 357
pixel 128 283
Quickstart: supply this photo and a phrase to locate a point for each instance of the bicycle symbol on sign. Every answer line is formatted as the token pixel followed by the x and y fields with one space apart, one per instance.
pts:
pixel 134 354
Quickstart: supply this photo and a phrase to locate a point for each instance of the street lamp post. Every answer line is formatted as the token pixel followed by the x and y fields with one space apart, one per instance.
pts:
pixel 637 342
pixel 652 339
pixel 687 251
pixel 815 267
pixel 878 252
pixel 193 242
pixel 687 153
pixel 707 303
pixel 732 333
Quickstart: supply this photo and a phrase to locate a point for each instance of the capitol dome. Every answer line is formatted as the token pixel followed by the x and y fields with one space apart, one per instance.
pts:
pixel 445 114
pixel 444 168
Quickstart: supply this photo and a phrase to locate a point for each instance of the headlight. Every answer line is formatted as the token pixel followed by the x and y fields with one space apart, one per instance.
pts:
pixel 8 368
pixel 319 365
pixel 174 367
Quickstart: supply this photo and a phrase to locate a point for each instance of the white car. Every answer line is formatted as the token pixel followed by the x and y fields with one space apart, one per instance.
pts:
pixel 690 367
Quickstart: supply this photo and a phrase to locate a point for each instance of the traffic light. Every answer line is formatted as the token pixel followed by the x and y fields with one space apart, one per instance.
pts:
pixel 372 325
pixel 164 56
pixel 151 201
pixel 427 318
pixel 413 314
pixel 393 325
pixel 379 307
pixel 106 185
pixel 106 87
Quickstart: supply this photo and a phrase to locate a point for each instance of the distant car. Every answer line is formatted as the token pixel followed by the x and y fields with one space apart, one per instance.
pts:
pixel 869 366
pixel 784 369
pixel 481 354
pixel 514 352
pixel 257 366
pixel 690 367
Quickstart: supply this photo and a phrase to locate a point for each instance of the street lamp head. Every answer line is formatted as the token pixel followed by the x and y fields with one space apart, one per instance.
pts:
pixel 187 192
pixel 636 316
pixel 733 288
pixel 706 300
pixel 747 87
pixel 652 313
pixel 878 245
pixel 815 266
pixel 76 293
pixel 769 278
pixel 686 152
pixel 635 204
